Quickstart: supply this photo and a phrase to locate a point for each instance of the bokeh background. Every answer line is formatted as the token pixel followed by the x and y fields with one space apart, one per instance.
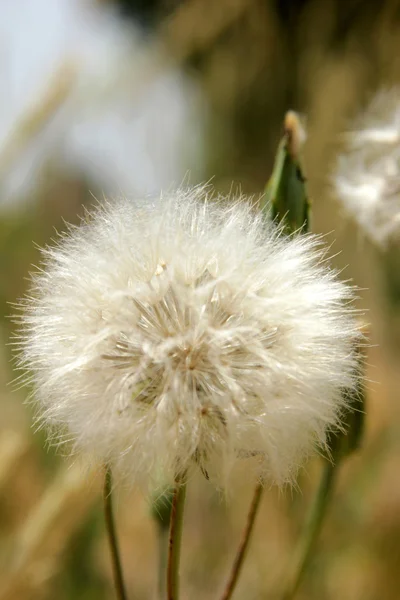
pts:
pixel 102 97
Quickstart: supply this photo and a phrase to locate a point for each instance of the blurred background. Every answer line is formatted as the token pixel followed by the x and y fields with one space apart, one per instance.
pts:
pixel 131 96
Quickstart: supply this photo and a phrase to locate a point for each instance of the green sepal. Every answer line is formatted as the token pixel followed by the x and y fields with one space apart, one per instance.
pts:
pixel 161 507
pixel 343 442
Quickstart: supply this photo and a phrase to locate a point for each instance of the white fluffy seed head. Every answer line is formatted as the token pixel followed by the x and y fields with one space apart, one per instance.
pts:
pixel 367 175
pixel 184 332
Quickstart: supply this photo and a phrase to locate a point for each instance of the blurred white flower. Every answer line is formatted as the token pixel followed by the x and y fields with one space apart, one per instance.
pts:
pixel 180 332
pixel 367 175
pixel 84 91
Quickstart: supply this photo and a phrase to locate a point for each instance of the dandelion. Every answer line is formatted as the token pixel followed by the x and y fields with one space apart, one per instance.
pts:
pixel 367 176
pixel 184 332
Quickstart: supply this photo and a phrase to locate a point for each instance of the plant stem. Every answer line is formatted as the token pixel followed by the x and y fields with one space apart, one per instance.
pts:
pixel 161 512
pixel 163 536
pixel 241 553
pixel 175 539
pixel 120 589
pixel 311 530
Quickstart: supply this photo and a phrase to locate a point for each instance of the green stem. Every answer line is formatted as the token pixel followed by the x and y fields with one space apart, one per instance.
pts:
pixel 163 536
pixel 175 539
pixel 244 544
pixel 311 531
pixel 112 538
pixel 161 513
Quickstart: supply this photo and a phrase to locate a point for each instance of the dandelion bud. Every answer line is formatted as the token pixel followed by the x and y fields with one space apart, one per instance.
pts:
pixel 188 333
pixel 367 177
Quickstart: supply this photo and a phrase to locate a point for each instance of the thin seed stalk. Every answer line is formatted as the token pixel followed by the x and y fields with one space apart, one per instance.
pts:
pixel 163 539
pixel 175 539
pixel 311 530
pixel 244 544
pixel 161 513
pixel 119 584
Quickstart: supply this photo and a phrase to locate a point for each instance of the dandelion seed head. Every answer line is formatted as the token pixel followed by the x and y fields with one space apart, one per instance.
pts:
pixel 188 333
pixel 367 175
